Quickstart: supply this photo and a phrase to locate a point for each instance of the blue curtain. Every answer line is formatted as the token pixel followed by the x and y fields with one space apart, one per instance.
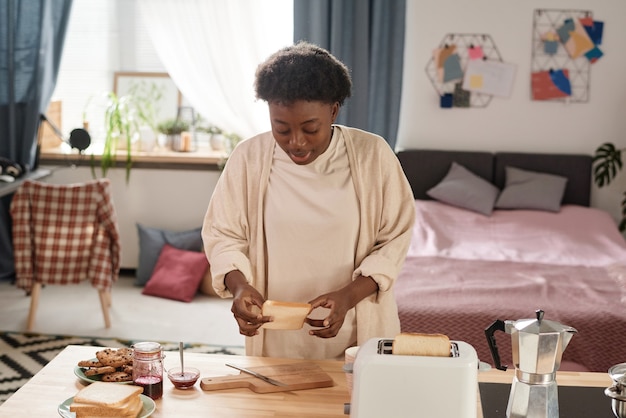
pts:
pixel 32 33
pixel 368 36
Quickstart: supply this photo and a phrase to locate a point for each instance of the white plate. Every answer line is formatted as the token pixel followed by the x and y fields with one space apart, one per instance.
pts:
pixel 148 408
pixel 78 371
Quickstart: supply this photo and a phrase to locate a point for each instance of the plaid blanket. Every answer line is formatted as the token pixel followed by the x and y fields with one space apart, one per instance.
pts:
pixel 65 233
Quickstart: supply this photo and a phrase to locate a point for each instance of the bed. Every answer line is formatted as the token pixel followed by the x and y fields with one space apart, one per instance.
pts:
pixel 470 265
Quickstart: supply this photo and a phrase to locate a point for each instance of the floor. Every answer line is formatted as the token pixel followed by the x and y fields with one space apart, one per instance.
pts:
pixel 75 310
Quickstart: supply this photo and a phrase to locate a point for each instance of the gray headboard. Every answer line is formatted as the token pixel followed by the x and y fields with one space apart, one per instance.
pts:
pixel 425 168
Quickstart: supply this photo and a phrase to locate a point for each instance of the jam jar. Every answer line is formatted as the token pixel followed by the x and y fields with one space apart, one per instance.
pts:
pixel 148 368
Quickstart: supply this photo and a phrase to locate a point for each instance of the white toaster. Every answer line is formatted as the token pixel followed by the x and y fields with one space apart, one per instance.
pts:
pixel 387 385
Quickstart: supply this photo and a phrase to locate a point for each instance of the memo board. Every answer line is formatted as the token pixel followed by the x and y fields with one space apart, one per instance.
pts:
pixel 464 43
pixel 544 21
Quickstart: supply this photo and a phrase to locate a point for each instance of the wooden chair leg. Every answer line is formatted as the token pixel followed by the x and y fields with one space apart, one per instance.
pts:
pixel 34 302
pixel 105 302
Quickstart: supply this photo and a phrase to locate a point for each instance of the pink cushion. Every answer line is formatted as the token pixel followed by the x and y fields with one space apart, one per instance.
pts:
pixel 177 274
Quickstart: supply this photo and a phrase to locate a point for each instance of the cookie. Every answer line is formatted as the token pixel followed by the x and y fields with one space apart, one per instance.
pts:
pixel 90 363
pixel 94 371
pixel 117 377
pixel 110 357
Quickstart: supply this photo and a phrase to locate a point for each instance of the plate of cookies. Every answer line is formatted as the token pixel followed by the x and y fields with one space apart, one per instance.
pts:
pixel 109 365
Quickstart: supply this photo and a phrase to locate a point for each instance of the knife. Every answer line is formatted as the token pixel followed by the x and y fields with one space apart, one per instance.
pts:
pixel 258 375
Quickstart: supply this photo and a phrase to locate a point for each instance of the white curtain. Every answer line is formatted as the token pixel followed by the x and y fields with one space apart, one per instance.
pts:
pixel 211 49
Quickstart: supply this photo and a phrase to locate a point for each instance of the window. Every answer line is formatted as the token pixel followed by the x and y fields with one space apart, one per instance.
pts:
pixel 105 37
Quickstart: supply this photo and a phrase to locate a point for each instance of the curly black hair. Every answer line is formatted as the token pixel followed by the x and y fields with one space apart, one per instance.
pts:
pixel 303 72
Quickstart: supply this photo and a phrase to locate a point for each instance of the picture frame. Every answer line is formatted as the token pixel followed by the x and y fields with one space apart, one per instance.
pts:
pixel 170 97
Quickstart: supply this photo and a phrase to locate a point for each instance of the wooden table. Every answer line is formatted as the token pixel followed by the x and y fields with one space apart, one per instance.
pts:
pixel 56 382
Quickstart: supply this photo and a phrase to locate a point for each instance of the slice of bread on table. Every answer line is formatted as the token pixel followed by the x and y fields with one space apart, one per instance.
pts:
pixel 101 399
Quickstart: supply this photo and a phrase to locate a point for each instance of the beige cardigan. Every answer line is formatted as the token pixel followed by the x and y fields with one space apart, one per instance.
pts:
pixel 233 225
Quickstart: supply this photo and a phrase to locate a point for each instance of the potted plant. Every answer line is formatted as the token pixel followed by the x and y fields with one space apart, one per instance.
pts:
pixel 118 126
pixel 172 129
pixel 217 140
pixel 607 163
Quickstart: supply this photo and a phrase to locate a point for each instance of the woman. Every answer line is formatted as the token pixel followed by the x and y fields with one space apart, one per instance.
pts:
pixel 309 212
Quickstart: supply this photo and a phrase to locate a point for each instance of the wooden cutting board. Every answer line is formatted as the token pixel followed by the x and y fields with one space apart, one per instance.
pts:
pixel 296 376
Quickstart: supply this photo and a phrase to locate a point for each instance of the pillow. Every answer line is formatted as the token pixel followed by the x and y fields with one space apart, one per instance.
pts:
pixel 152 240
pixel 177 274
pixel 531 190
pixel 462 188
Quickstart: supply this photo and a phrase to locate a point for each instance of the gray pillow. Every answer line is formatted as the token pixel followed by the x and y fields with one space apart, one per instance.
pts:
pixel 531 190
pixel 462 188
pixel 151 242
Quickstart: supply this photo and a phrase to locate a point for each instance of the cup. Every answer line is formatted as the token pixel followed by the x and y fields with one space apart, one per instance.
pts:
pixel 349 357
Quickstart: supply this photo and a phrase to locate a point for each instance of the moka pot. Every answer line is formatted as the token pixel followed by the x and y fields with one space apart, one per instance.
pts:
pixel 537 346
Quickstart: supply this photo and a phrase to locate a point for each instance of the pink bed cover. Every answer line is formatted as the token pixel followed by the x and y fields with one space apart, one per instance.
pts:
pixel 465 270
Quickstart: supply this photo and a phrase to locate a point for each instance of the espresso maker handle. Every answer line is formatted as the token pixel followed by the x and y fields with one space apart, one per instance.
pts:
pixel 498 325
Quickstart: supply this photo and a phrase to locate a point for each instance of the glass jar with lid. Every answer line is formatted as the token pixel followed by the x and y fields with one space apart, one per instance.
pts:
pixel 148 368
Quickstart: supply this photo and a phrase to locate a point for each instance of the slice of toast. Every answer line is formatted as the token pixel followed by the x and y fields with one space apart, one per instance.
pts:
pixel 128 409
pixel 107 394
pixel 287 315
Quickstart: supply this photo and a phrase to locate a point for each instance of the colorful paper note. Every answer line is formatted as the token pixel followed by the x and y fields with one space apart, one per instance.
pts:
pixel 551 84
pixel 489 77
pixel 448 64
pixel 461 98
pixel 578 42
pixel 452 68
pixel 475 52
pixel 594 29
pixel 445 101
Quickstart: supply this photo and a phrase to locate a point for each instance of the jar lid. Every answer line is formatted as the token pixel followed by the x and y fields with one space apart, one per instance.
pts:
pixel 147 347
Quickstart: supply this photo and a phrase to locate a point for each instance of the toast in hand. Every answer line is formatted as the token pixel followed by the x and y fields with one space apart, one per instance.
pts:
pixel 287 315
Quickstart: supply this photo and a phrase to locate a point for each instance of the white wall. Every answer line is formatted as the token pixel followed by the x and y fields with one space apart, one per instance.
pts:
pixel 177 200
pixel 516 123
pixel 169 199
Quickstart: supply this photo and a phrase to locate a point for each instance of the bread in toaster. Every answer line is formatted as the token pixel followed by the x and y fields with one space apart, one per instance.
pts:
pixel 287 315
pixel 418 344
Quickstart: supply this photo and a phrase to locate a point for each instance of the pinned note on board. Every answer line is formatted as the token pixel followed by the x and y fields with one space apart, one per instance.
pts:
pixel 551 84
pixel 489 77
pixel 448 64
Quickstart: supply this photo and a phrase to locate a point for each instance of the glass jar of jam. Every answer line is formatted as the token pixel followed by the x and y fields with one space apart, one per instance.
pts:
pixel 148 368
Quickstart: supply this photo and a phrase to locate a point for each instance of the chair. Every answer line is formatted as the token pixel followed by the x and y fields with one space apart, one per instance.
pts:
pixel 64 234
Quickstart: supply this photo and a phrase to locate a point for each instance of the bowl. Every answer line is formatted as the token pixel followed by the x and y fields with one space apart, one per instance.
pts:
pixel 184 380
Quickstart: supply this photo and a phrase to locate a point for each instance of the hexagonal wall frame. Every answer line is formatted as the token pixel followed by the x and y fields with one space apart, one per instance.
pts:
pixel 463 42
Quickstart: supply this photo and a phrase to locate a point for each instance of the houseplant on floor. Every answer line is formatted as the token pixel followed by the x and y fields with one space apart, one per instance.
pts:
pixel 607 163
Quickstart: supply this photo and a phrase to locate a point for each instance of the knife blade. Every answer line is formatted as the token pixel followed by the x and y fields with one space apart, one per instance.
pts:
pixel 257 375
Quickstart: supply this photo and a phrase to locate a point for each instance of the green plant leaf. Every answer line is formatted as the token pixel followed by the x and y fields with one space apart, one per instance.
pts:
pixel 607 162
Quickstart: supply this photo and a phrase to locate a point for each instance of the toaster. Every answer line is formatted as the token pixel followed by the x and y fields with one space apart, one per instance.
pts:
pixel 399 386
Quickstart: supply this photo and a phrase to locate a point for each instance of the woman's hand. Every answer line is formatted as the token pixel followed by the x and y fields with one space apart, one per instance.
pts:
pixel 339 303
pixel 245 297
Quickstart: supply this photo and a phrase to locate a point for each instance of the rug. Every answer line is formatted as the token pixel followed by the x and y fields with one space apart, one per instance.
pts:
pixel 23 355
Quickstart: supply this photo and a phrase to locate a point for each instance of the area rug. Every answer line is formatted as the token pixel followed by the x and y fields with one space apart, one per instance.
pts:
pixel 23 355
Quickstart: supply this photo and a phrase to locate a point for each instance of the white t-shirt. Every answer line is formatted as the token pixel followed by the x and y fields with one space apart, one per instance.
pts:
pixel 312 224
